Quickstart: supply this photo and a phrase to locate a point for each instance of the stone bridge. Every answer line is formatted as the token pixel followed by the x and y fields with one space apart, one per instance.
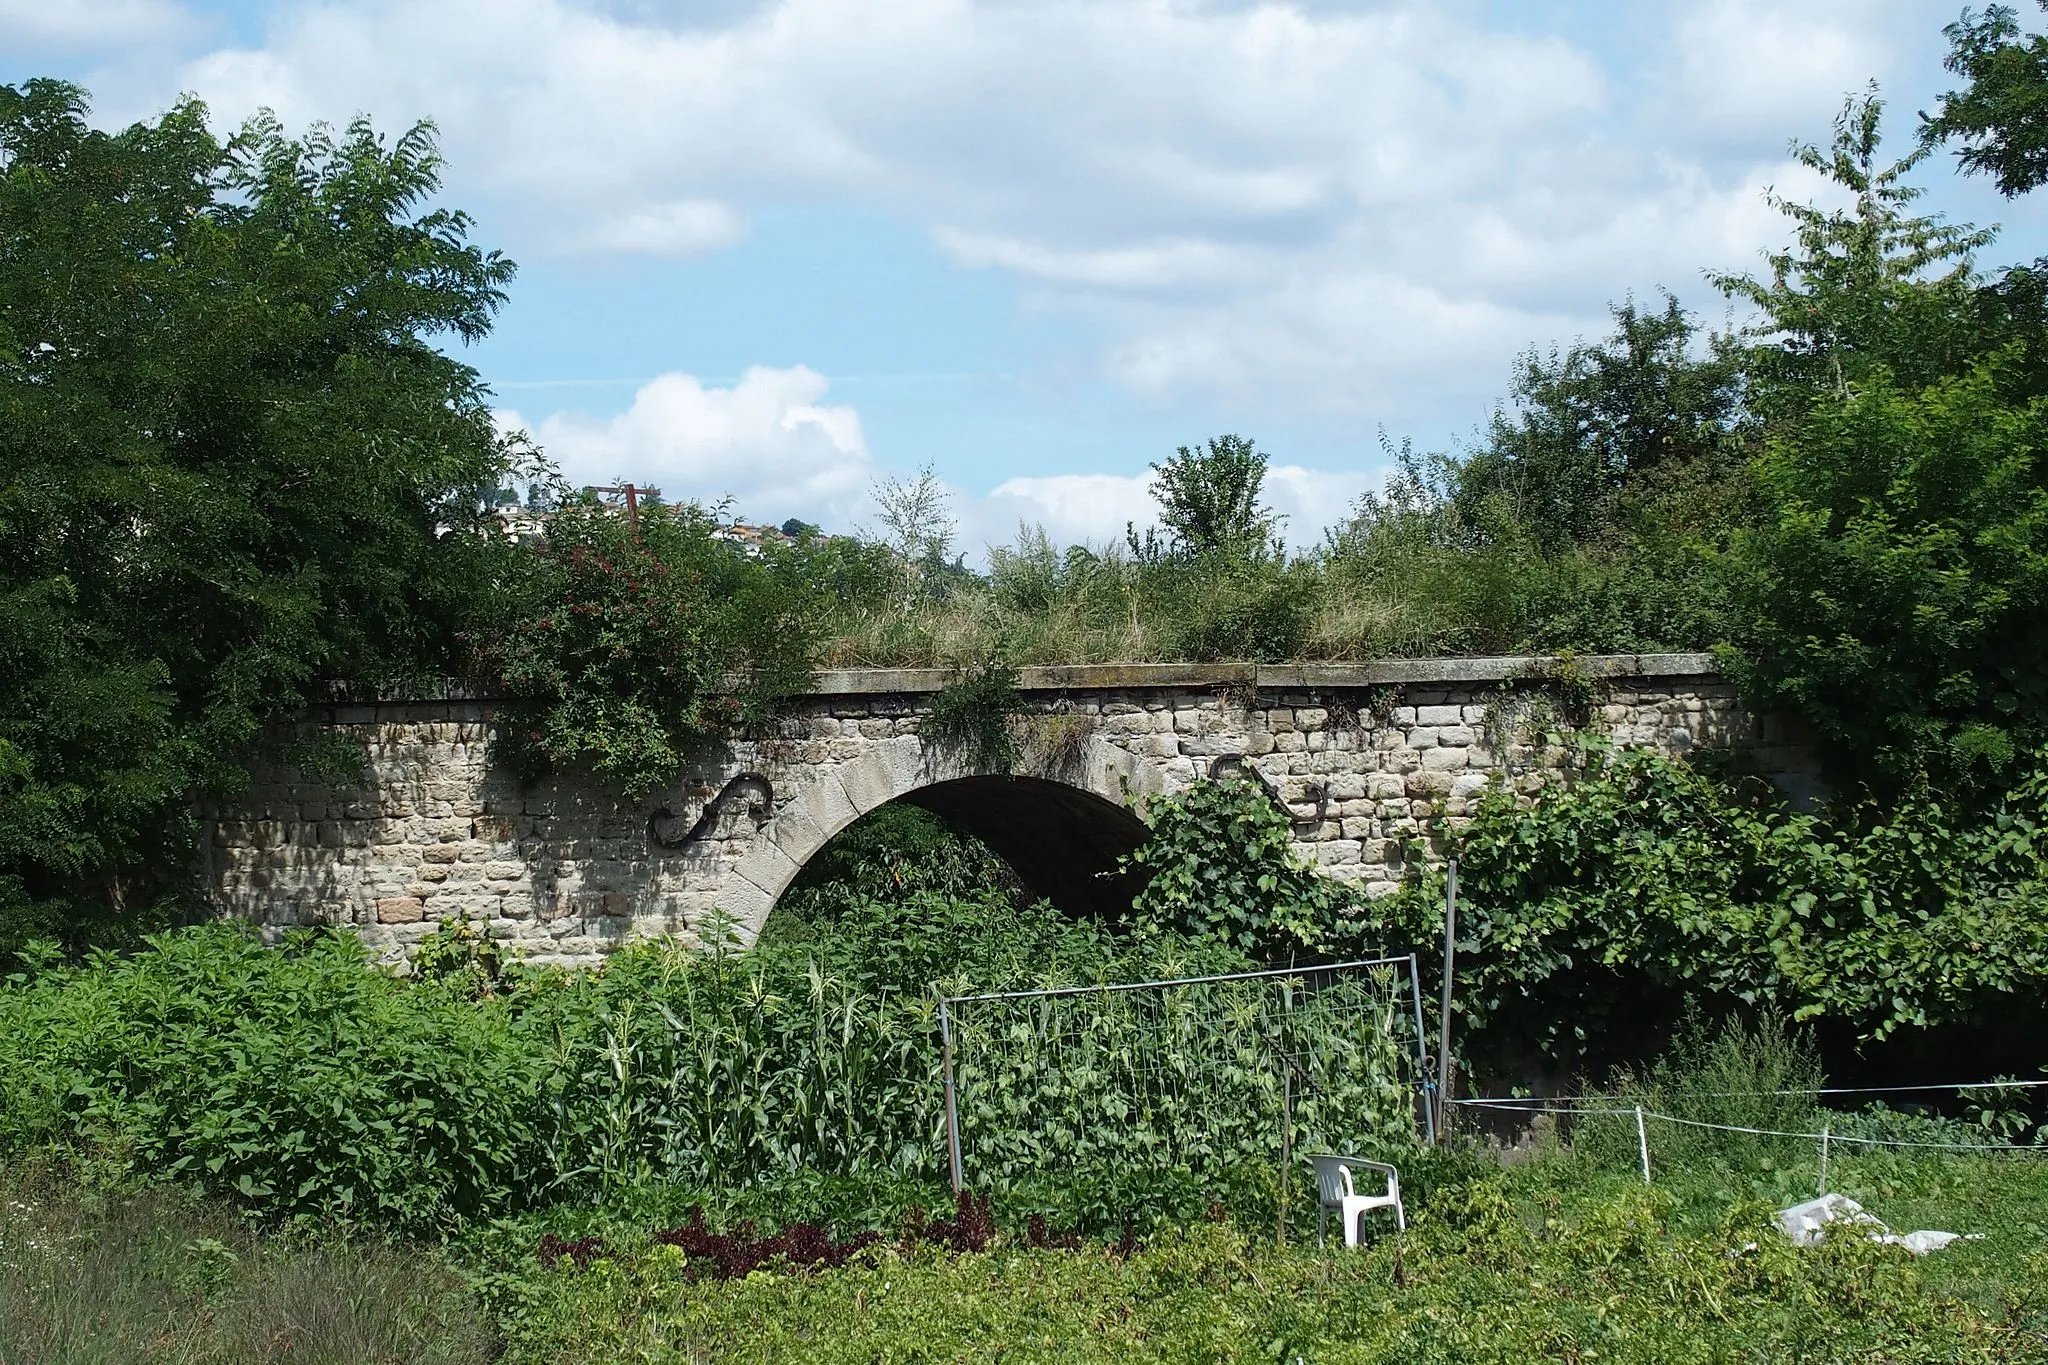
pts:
pixel 1365 757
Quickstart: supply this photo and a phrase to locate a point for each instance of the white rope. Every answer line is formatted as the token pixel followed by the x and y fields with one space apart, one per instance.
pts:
pixel 1824 1090
pixel 1844 1137
pixel 1830 1136
pixel 1538 1107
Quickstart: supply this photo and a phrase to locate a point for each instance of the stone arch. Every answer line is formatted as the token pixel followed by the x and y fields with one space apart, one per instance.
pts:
pixel 1057 829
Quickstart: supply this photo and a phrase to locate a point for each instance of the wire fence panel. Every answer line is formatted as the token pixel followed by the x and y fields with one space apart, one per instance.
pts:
pixel 1201 1076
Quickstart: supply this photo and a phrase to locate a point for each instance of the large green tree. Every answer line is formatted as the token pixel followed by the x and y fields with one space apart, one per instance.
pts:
pixel 2000 116
pixel 1595 432
pixel 234 462
pixel 1895 589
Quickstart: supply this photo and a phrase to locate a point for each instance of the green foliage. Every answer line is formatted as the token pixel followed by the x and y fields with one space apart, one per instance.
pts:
pixel 300 1081
pixel 1891 583
pixel 1209 501
pixel 2001 116
pixel 893 851
pixel 461 957
pixel 1588 916
pixel 1077 1105
pixel 1897 595
pixel 1578 522
pixel 969 720
pixel 238 463
pixel 1865 290
pixel 1594 427
pixel 639 644
pixel 307 1082
pixel 1485 1274
pixel 1220 864
pixel 1758 1074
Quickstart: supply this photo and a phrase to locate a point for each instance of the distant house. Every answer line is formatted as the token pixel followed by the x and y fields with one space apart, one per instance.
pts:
pixel 521 523
pixel 753 539
pixel 524 523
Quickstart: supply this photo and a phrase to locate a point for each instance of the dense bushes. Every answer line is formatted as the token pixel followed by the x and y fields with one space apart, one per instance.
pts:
pixel 305 1080
pixel 292 1081
pixel 634 646
pixel 1595 912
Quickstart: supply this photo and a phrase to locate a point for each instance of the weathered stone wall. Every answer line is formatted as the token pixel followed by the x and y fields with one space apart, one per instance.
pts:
pixel 1365 757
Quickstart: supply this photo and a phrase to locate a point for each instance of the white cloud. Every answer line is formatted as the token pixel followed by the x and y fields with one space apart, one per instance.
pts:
pixel 767 442
pixel 1098 507
pixel 1750 67
pixel 1072 507
pixel 772 445
pixel 1278 208
pixel 33 24
pixel 687 228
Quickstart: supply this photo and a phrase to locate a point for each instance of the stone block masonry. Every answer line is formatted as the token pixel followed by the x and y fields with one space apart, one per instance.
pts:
pixel 1366 758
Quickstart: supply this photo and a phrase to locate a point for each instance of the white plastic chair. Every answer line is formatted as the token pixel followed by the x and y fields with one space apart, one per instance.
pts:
pixel 1335 1190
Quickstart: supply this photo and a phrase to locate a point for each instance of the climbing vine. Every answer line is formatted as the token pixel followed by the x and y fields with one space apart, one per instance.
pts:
pixel 1592 914
pixel 1221 864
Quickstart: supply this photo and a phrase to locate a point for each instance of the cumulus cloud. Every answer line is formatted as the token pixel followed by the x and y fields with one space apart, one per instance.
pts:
pixel 1281 207
pixel 773 446
pixel 768 442
pixel 1098 507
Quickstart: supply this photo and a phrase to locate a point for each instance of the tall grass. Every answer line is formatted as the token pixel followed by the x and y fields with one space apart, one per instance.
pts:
pixel 1390 589
pixel 160 1276
pixel 1735 1074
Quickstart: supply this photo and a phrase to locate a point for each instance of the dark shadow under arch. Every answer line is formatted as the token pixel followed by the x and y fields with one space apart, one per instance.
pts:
pixel 1062 842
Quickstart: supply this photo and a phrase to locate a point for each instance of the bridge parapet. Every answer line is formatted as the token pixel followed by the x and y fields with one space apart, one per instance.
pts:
pixel 1367 758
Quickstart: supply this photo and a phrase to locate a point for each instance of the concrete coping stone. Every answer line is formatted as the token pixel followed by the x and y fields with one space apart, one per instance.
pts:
pixel 869 682
pixel 1272 677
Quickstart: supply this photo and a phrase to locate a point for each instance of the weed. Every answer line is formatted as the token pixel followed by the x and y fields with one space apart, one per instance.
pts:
pixel 158 1275
pixel 969 721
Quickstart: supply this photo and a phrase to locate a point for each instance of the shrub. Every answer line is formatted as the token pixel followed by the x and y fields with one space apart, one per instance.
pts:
pixel 306 1081
pixel 637 644
pixel 1589 916
pixel 299 1081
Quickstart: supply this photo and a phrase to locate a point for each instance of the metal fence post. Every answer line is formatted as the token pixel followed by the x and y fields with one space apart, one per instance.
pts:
pixel 952 1110
pixel 1443 1057
pixel 1643 1142
pixel 1422 1052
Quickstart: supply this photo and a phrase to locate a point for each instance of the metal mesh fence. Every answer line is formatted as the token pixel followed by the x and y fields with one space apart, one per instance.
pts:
pixel 1200 1075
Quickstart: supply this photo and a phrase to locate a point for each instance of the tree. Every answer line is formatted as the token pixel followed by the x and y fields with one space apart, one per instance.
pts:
pixel 1897 593
pixel 1895 586
pixel 236 464
pixel 635 648
pixel 2001 116
pixel 918 516
pixel 1209 500
pixel 1864 288
pixel 1594 424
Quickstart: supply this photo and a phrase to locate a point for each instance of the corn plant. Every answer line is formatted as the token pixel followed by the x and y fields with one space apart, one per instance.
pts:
pixel 1201 1078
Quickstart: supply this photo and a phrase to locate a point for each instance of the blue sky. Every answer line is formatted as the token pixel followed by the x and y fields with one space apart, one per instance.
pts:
pixel 782 250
